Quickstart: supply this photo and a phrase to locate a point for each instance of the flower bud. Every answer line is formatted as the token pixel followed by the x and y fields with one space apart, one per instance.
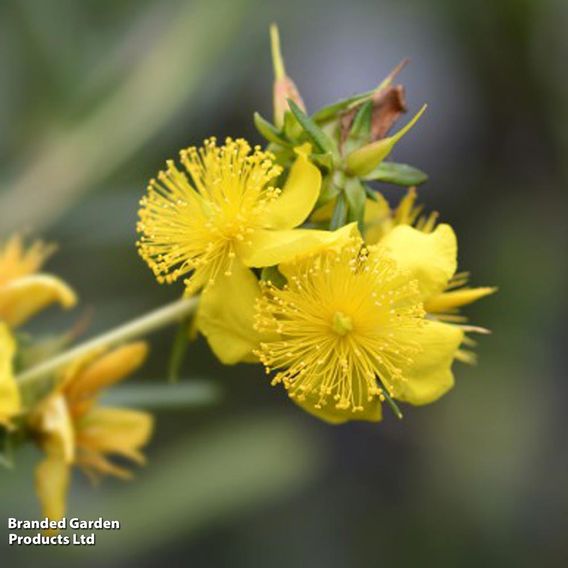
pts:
pixel 284 87
pixel 364 160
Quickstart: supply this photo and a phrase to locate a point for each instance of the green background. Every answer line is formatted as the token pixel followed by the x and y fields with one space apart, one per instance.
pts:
pixel 95 95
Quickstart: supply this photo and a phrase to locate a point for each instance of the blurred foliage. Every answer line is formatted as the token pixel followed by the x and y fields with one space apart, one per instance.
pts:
pixel 97 94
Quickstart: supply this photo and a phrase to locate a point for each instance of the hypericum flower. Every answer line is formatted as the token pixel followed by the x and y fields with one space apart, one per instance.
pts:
pixel 223 210
pixel 9 393
pixel 73 430
pixel 23 290
pixel 444 300
pixel 226 312
pixel 351 330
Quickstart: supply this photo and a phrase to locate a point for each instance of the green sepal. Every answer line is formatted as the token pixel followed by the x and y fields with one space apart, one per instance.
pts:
pixel 328 192
pixel 272 274
pixel 269 131
pixel 356 198
pixel 320 139
pixel 371 193
pixel 339 217
pixel 323 160
pixel 398 174
pixel 360 132
pixel 330 112
pixel 292 129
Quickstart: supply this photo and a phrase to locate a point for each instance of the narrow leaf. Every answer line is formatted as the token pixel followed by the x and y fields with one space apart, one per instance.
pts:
pixel 339 217
pixel 356 197
pixel 330 112
pixel 399 174
pixel 269 131
pixel 316 134
pixel 188 393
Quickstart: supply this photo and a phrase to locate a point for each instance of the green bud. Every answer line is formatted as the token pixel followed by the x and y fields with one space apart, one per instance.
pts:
pixel 364 160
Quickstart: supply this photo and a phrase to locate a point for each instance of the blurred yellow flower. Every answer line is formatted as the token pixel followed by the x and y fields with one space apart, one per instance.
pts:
pixel 73 430
pixel 349 317
pixel 9 393
pixel 23 290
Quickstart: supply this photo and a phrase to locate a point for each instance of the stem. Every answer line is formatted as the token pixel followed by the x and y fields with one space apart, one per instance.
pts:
pixel 143 325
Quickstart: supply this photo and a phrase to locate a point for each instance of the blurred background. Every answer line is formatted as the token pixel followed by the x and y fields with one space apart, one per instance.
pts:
pixel 96 94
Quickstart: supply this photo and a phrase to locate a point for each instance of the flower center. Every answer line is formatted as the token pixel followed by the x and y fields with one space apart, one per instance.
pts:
pixel 341 323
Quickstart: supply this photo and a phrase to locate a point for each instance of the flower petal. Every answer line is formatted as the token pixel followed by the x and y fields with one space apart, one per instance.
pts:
pixel 332 415
pixel 269 248
pixel 226 316
pixel 52 483
pixel 429 375
pixel 24 297
pixel 52 420
pixel 105 370
pixel 9 393
pixel 298 196
pixel 453 299
pixel 118 431
pixel 378 220
pixel 430 258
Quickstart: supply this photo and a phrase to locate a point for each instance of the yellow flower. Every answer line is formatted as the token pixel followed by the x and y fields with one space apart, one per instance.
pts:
pixel 350 325
pixel 73 430
pixel 222 216
pixel 9 393
pixel 23 290
pixel 223 211
pixel 444 300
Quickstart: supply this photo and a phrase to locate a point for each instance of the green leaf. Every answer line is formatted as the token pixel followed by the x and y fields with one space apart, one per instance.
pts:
pixel 399 174
pixel 356 197
pixel 330 112
pixel 179 349
pixel 189 393
pixel 269 131
pixel 339 217
pixel 315 133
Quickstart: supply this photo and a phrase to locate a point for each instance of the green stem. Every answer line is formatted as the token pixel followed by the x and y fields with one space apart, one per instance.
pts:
pixel 162 317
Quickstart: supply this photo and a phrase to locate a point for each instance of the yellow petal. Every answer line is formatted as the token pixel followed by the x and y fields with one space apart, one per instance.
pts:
pixel 332 415
pixel 447 301
pixel 226 315
pixel 377 220
pixel 269 248
pixel 9 393
pixel 429 375
pixel 95 465
pixel 52 420
pixel 430 258
pixel 22 298
pixel 298 196
pixel 52 482
pixel 106 370
pixel 115 430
